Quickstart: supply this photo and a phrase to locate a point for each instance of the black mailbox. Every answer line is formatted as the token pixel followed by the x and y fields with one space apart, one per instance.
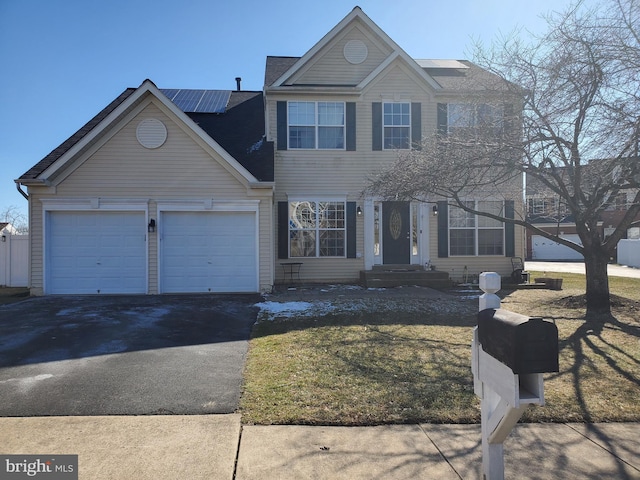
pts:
pixel 524 344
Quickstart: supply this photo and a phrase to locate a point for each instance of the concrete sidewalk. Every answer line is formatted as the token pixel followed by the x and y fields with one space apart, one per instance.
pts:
pixel 217 447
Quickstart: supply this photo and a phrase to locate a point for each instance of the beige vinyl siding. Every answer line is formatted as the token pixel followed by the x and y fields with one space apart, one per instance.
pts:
pixel 266 245
pixel 124 168
pixel 153 250
pixel 35 241
pixel 181 170
pixel 331 68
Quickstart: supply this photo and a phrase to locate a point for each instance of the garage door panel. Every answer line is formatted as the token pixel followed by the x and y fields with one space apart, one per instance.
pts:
pixel 545 249
pixel 96 252
pixel 208 252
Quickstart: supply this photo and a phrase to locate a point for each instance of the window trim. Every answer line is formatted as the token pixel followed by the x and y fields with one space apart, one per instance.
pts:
pixel 317 126
pixel 408 126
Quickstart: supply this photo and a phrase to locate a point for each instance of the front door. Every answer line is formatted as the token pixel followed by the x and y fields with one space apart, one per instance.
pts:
pixel 396 233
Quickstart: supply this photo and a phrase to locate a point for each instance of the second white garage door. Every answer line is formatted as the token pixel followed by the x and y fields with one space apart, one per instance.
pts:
pixel 545 249
pixel 208 252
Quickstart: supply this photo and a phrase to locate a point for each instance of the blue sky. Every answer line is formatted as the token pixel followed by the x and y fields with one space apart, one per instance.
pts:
pixel 62 61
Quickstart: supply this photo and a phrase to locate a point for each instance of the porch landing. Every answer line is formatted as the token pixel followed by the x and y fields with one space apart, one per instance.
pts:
pixel 382 276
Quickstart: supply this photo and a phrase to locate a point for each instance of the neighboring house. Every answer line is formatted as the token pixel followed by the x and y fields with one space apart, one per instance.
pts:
pixel 210 191
pixel 7 229
pixel 546 211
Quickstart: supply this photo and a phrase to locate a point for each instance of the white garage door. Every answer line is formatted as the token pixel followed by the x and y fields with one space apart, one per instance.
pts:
pixel 208 252
pixel 545 249
pixel 96 252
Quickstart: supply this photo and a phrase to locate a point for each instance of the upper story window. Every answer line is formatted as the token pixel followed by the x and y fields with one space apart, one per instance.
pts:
pixel 465 118
pixel 316 125
pixel 396 126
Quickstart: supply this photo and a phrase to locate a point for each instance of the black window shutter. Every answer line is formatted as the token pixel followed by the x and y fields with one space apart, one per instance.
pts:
pixel 281 125
pixel 442 119
pixel 351 126
pixel 509 230
pixel 376 126
pixel 283 229
pixel 443 229
pixel 351 229
pixel 416 126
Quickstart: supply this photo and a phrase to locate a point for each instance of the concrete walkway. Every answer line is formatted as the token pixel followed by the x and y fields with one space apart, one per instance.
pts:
pixel 218 447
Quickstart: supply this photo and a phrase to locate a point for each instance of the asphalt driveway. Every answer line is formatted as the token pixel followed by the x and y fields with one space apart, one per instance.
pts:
pixel 124 355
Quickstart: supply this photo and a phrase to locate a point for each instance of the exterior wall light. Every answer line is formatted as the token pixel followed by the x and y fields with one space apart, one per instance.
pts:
pixel 4 238
pixel 152 226
pixel 435 209
pixel 359 211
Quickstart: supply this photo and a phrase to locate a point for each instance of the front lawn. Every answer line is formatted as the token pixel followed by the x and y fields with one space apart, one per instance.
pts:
pixel 379 359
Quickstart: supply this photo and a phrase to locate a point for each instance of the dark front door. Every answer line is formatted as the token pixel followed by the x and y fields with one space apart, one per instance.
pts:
pixel 396 233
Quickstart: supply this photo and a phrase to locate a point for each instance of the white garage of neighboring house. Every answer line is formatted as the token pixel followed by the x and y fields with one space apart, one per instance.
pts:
pixel 544 249
pixel 144 199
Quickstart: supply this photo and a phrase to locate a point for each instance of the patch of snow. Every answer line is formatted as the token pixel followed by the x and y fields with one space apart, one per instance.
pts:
pixel 256 146
pixel 274 310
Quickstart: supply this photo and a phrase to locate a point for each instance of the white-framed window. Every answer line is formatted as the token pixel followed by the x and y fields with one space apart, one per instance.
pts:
pixel 396 125
pixel 471 235
pixel 466 118
pixel 538 206
pixel 317 229
pixel 316 125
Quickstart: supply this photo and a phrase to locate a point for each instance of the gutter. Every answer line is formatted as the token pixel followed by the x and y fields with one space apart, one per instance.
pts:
pixel 21 191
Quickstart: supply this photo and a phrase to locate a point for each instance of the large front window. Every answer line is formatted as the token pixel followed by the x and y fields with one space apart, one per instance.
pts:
pixel 396 125
pixel 316 125
pixel 317 229
pixel 476 235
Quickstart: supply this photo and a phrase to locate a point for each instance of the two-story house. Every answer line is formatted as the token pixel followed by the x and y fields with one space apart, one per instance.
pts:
pixel 346 109
pixel 169 190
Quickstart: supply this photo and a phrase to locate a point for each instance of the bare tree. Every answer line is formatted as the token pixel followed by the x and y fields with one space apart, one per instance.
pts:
pixel 570 120
pixel 16 218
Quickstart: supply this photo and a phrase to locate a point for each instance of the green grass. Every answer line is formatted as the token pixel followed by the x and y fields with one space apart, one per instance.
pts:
pixel 406 365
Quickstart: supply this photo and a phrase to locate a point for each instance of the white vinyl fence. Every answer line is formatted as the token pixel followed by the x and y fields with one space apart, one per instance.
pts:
pixel 629 252
pixel 14 260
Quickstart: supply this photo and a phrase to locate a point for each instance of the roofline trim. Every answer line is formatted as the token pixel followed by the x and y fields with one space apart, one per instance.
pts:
pixel 357 13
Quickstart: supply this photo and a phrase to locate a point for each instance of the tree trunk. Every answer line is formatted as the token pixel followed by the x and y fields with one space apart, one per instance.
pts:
pixel 598 300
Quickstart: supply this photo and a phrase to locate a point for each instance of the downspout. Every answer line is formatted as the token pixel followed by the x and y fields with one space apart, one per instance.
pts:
pixel 21 192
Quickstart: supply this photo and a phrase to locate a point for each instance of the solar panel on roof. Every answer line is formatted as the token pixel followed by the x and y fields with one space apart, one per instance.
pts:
pixel 200 101
pixel 170 92
pixel 214 101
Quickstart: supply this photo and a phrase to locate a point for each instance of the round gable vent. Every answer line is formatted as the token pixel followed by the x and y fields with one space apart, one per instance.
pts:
pixel 151 133
pixel 355 51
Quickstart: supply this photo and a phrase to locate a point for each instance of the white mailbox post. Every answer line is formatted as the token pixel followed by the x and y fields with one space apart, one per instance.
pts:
pixel 504 395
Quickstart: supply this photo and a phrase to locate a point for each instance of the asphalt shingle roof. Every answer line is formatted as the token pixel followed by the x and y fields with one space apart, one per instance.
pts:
pixel 239 130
